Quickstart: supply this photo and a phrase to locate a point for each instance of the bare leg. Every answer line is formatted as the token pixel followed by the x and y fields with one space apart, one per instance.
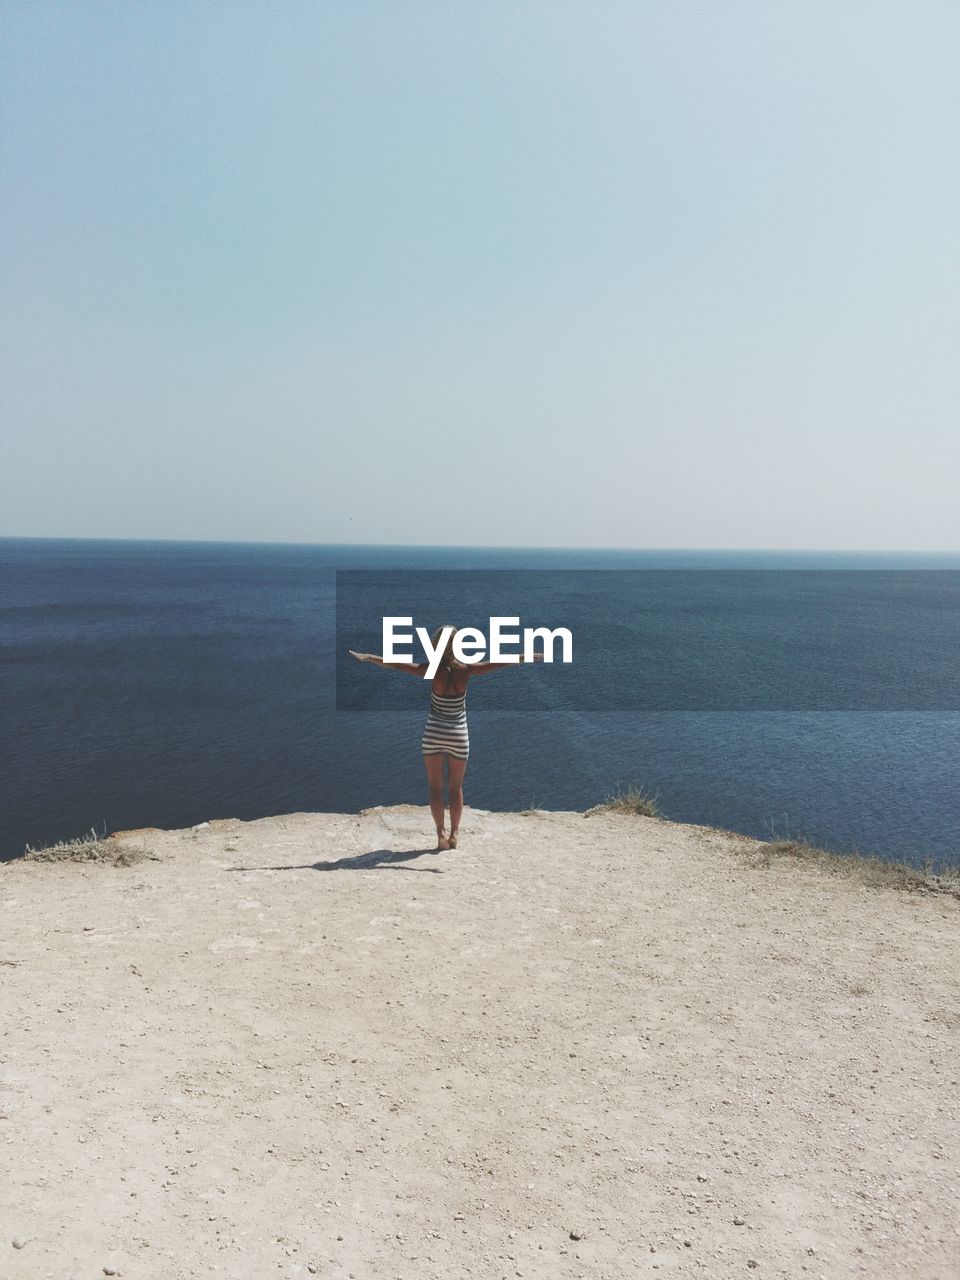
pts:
pixel 455 771
pixel 434 767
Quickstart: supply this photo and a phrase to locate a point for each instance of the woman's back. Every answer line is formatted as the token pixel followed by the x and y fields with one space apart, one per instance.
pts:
pixel 450 682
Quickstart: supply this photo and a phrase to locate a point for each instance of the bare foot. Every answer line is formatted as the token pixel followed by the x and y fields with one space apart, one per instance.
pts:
pixel 443 841
pixel 453 839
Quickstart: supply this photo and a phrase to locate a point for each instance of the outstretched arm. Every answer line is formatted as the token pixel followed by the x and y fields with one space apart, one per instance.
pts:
pixel 480 668
pixel 412 668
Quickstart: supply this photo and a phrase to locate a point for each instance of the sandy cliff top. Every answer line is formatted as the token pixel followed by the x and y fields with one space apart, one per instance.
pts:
pixel 599 1047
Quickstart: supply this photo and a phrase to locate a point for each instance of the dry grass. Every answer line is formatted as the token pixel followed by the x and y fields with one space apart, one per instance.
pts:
pixel 857 868
pixel 88 848
pixel 633 800
pixel 531 810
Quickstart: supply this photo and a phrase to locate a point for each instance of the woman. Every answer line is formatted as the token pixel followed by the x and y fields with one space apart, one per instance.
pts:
pixel 445 733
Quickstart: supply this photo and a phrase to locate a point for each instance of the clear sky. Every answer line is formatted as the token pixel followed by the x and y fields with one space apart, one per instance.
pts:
pixel 510 273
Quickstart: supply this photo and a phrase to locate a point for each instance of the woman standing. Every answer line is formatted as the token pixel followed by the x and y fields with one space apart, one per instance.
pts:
pixel 445 733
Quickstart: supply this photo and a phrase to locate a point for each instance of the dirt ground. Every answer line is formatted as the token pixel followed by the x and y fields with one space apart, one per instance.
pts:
pixel 596 1047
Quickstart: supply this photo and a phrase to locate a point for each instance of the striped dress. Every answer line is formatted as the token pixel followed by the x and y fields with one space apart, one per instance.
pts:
pixel 446 727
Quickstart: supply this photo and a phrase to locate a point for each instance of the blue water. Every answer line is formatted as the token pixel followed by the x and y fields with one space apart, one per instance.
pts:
pixel 165 683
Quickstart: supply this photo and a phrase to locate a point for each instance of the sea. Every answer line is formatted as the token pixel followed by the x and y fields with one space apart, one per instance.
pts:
pixel 783 695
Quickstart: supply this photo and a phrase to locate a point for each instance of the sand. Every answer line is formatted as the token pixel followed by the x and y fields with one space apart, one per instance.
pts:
pixel 599 1046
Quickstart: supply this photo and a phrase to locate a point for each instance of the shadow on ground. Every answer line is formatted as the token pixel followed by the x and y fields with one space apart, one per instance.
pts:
pixel 376 860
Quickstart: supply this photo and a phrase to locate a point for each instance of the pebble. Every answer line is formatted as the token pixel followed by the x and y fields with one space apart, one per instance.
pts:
pixel 739 1222
pixel 752 1262
pixel 576 1235
pixel 18 1242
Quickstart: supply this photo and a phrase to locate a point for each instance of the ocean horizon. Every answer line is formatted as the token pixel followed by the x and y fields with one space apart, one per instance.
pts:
pixel 728 557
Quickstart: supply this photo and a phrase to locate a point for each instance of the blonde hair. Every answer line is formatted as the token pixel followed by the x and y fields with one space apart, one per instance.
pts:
pixel 446 658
